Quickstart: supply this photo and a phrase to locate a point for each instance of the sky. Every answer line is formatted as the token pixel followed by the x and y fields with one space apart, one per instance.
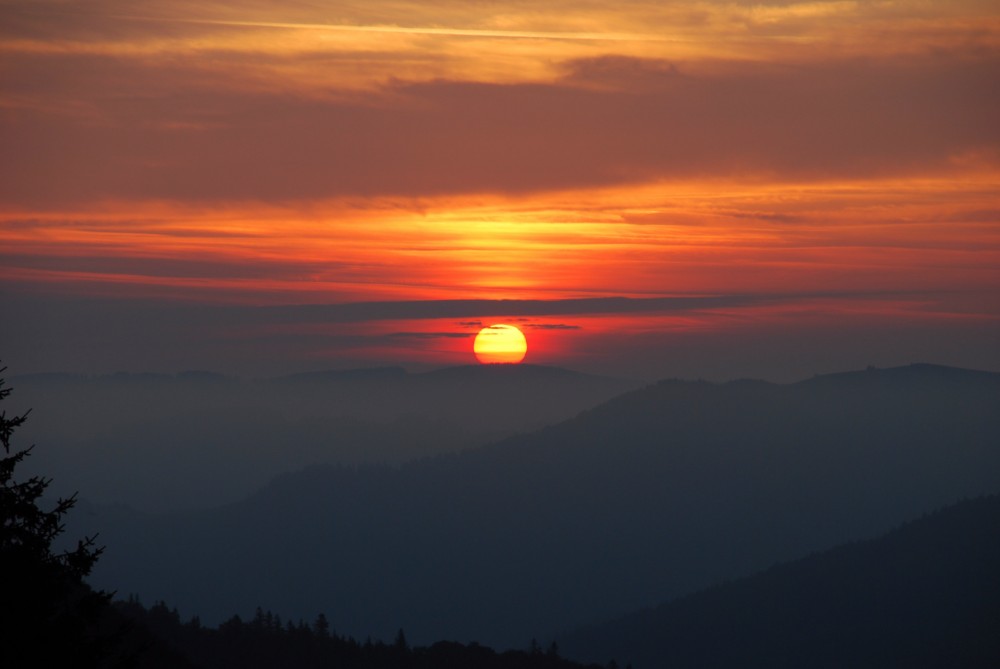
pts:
pixel 695 189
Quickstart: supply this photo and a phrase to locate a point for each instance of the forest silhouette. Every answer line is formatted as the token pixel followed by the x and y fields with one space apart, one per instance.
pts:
pixel 264 641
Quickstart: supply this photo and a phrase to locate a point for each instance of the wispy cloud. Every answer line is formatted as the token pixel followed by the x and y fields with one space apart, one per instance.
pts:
pixel 448 309
pixel 429 335
pixel 418 30
pixel 173 136
pixel 552 326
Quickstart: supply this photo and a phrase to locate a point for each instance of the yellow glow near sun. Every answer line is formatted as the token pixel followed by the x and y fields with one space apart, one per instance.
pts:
pixel 500 344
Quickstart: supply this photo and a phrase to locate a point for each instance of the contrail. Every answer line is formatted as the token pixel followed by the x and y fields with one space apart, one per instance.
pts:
pixel 447 32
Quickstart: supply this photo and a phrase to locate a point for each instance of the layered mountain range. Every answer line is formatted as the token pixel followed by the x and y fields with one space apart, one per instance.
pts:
pixel 654 494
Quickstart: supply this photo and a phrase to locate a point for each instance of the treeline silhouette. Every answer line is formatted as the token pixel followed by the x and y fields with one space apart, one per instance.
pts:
pixel 268 642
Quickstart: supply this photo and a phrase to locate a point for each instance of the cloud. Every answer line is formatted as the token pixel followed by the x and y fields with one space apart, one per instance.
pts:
pixel 432 309
pixel 182 314
pixel 371 312
pixel 429 335
pixel 621 73
pixel 552 326
pixel 109 128
pixel 180 268
pixel 647 338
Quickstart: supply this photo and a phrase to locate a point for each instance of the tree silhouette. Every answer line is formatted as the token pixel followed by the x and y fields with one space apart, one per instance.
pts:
pixel 322 626
pixel 48 615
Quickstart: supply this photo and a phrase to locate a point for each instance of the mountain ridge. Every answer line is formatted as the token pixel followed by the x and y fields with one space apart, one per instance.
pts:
pixel 925 594
pixel 198 439
pixel 653 494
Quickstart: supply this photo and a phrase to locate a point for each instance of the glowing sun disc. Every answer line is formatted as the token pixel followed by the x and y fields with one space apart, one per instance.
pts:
pixel 500 344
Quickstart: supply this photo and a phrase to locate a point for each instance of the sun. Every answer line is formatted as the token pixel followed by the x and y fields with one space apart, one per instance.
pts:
pixel 500 344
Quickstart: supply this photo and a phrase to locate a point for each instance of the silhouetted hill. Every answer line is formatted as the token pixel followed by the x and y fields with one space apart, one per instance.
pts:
pixel 902 376
pixel 654 494
pixel 925 595
pixel 199 439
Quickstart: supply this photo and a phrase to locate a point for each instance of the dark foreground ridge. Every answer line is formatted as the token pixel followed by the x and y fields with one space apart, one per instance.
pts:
pixel 924 595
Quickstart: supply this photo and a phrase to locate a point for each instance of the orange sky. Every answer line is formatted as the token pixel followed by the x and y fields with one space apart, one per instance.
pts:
pixel 778 189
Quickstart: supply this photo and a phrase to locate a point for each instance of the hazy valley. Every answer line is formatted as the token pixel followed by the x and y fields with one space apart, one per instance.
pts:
pixel 164 442
pixel 654 494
